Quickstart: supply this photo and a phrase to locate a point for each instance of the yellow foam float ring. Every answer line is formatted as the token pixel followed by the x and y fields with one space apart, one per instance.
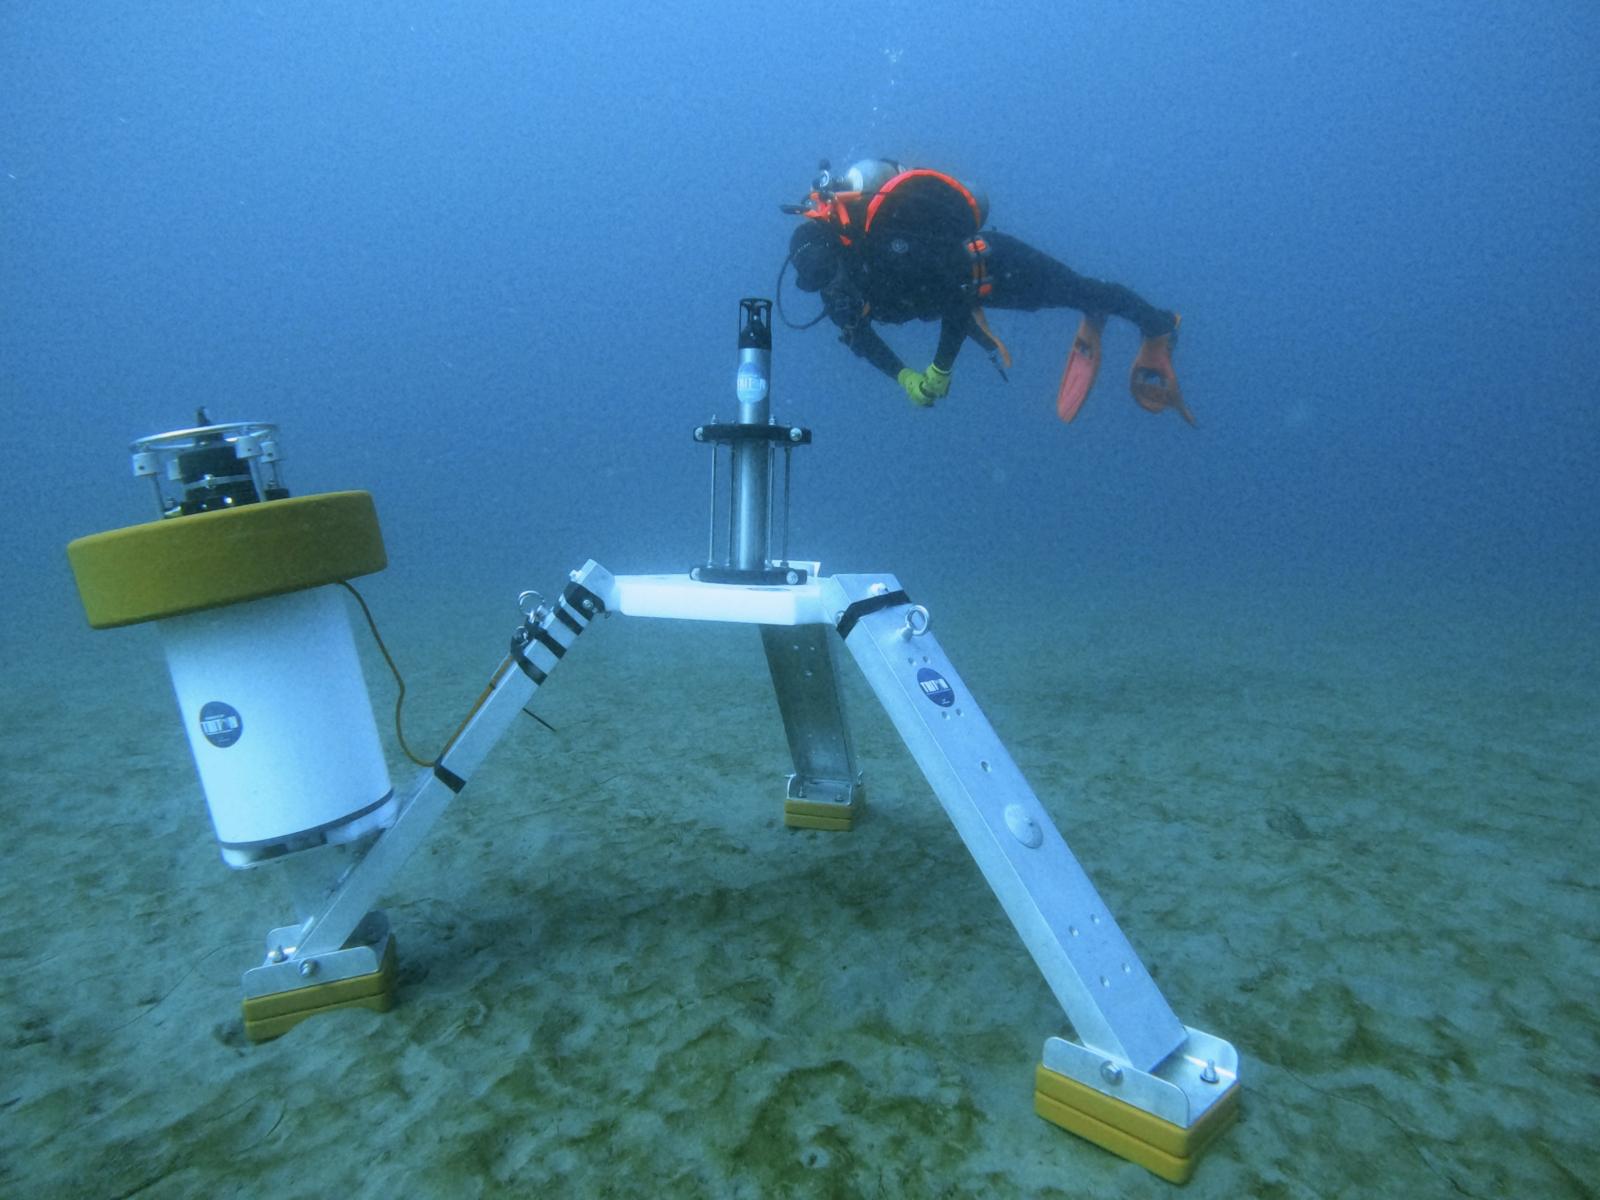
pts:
pixel 209 560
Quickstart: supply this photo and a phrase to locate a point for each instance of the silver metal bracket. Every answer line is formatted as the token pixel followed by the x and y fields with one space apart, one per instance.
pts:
pixel 1181 1089
pixel 285 969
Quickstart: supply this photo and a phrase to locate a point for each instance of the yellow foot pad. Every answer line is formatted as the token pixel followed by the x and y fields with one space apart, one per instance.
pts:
pixel 1161 1147
pixel 822 814
pixel 267 1017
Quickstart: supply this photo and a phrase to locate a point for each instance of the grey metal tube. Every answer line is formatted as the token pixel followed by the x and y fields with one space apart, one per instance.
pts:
pixel 751 464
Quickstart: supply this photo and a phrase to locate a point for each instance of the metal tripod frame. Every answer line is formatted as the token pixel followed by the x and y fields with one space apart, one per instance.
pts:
pixel 1135 1079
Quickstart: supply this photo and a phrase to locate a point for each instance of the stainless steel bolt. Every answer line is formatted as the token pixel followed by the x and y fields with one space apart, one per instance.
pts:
pixel 1208 1073
pixel 1110 1072
pixel 308 968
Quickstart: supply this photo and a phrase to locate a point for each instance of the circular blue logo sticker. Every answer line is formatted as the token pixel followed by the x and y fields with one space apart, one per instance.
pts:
pixel 221 723
pixel 750 384
pixel 935 687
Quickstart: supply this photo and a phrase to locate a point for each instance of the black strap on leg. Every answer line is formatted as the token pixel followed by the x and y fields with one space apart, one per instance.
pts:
pixel 525 635
pixel 577 607
pixel 871 604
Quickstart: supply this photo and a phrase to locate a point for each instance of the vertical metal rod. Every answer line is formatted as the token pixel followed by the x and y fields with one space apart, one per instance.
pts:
pixel 772 503
pixel 733 505
pixel 711 531
pixel 257 479
pixel 788 465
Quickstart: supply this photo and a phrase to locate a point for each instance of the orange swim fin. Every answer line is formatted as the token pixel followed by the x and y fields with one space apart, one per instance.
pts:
pixel 1153 382
pixel 1083 364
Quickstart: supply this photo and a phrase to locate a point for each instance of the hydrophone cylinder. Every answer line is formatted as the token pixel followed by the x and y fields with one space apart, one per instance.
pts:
pixel 277 715
pixel 752 456
pixel 239 578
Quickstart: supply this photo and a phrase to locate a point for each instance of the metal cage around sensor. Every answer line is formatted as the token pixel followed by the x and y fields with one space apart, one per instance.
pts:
pixel 211 467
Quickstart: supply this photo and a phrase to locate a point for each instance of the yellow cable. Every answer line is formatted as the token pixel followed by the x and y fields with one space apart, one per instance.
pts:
pixel 400 682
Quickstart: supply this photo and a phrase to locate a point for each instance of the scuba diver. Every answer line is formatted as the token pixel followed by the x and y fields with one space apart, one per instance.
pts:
pixel 883 243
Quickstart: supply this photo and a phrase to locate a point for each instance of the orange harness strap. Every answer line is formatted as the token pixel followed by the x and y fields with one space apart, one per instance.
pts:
pixel 977 249
pixel 924 173
pixel 835 210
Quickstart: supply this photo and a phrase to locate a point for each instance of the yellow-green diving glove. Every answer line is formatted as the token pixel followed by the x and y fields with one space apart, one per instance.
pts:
pixel 924 387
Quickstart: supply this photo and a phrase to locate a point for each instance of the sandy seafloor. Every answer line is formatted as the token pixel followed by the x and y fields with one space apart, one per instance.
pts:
pixel 1357 838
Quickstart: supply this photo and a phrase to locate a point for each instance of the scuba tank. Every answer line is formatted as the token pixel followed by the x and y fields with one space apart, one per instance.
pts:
pixel 868 175
pixel 882 191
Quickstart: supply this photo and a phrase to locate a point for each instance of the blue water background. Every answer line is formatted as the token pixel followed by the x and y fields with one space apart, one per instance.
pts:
pixel 484 260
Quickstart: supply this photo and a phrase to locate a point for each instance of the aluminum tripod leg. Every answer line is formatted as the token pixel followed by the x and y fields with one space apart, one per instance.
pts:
pixel 825 790
pixel 1141 1083
pixel 343 954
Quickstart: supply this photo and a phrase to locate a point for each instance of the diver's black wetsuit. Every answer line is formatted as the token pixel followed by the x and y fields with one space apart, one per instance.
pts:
pixel 927 282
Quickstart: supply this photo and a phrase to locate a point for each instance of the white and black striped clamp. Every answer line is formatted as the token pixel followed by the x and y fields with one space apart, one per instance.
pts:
pixel 558 629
